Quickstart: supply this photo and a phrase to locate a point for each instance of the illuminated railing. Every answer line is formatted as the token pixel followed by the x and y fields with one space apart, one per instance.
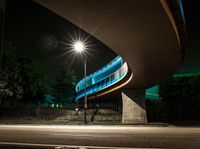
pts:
pixel 105 77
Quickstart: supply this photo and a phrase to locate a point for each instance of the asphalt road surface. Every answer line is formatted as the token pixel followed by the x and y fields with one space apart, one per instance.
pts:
pixel 101 136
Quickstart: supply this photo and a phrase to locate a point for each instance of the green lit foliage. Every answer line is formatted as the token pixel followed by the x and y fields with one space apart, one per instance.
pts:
pixel 181 97
pixel 64 87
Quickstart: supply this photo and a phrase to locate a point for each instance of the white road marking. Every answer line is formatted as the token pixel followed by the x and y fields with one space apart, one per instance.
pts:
pixel 57 146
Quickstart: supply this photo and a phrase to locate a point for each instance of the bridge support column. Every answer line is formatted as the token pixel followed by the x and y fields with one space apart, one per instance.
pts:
pixel 134 107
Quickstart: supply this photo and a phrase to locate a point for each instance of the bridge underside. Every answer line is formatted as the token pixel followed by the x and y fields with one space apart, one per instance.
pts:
pixel 142 32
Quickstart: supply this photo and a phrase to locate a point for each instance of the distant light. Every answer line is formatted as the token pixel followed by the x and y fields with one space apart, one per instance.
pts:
pixel 76 109
pixel 79 46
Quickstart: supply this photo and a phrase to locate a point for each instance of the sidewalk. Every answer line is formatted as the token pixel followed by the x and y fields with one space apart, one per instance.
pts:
pixel 34 121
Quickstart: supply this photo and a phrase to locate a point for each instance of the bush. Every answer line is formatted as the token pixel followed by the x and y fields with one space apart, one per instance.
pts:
pixel 181 98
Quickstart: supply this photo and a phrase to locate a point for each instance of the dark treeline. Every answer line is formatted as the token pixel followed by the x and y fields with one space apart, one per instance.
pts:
pixel 23 82
pixel 180 100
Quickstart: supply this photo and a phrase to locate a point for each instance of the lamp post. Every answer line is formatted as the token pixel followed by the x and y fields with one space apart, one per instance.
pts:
pixel 85 95
pixel 79 47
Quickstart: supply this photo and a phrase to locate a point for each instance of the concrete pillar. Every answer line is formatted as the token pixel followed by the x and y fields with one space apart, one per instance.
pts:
pixel 134 107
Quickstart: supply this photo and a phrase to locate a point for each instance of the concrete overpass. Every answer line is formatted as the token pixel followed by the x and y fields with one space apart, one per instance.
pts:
pixel 148 35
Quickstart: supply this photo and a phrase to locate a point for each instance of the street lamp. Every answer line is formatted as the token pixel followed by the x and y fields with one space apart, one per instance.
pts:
pixel 80 48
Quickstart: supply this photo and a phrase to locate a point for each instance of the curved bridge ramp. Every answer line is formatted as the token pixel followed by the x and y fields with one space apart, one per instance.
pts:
pixel 148 34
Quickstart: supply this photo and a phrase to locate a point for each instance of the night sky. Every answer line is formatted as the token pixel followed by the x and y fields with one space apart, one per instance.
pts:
pixel 40 34
pixel 192 58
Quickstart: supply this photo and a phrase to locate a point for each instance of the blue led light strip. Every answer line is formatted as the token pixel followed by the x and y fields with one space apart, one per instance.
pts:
pixel 107 76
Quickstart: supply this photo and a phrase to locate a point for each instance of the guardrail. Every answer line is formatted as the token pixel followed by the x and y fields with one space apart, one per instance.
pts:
pixel 105 77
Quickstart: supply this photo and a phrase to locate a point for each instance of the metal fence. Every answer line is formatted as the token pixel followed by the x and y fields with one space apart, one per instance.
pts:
pixel 52 112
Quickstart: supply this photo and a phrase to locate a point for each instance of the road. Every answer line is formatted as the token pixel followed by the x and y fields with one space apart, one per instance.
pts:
pixel 101 136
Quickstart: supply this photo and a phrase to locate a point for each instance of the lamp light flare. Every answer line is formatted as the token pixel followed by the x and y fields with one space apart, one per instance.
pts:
pixel 79 46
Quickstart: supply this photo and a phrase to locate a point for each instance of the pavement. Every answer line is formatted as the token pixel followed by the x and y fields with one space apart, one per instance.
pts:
pixel 86 137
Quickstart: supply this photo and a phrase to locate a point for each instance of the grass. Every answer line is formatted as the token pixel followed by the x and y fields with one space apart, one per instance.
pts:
pixel 38 121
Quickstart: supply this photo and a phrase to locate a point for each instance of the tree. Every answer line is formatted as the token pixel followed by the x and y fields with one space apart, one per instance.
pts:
pixel 20 76
pixel 64 87
pixel 4 91
pixel 10 73
pixel 33 80
pixel 181 97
